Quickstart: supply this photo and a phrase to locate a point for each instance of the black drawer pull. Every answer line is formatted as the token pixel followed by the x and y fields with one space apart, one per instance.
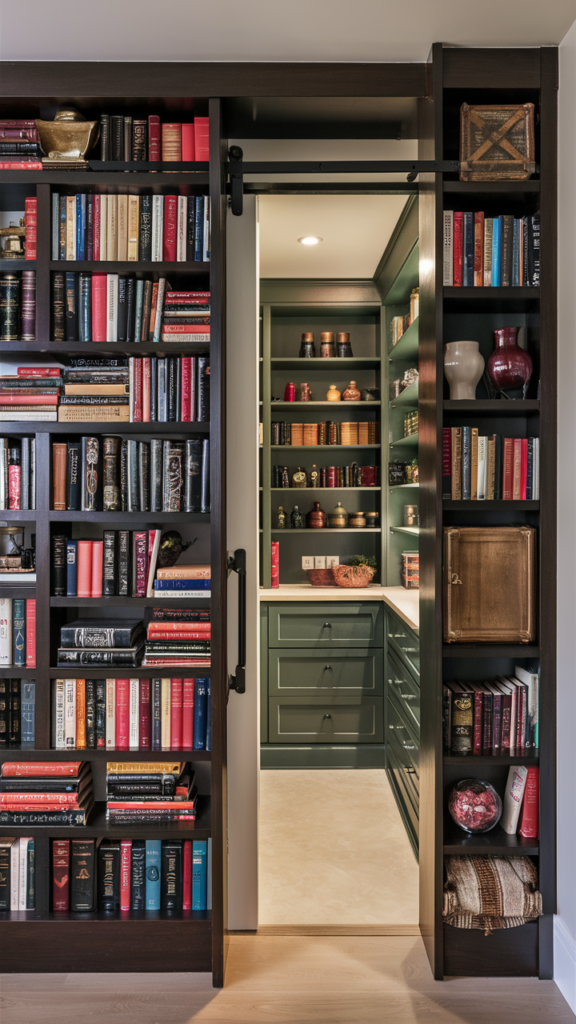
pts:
pixel 327 625
pixel 327 716
pixel 327 668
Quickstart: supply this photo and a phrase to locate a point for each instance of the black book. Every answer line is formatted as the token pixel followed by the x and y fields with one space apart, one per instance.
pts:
pixel 153 389
pixel 14 714
pixel 199 647
pixel 4 713
pixel 123 563
pixel 109 564
pixel 91 714
pixel 139 136
pixel 138 875
pixel 498 466
pixel 128 138
pixel 91 474
pixel 130 296
pixel 156 475
pixel 84 633
pixel 83 363
pixel 171 875
pixel 172 390
pixel 82 875
pixel 94 400
pixel 145 238
pixel 67 817
pixel 5 853
pixel 116 657
pixel 100 713
pixel 122 309
pixel 109 876
pixel 193 476
pixel 25 784
pixel 132 476
pixel 74 455
pixel 507 246
pixel 146 311
pixel 205 483
pixel 117 137
pixel 166 782
pixel 144 476
pixel 156 708
pixel 72 307
pixel 105 136
pixel 124 476
pixel 59 565
pixel 203 389
pixel 58 297
pixel 135 790
pixel 534 251
pixel 190 228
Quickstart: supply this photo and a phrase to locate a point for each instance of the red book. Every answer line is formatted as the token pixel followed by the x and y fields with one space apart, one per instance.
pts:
pixel 125 867
pixel 188 147
pixel 197 627
pixel 41 769
pixel 9 398
pixel 14 477
pixel 60 875
pixel 99 311
pixel 137 383
pixel 84 559
pixel 516 467
pixel 122 714
pixel 185 328
pixel 49 806
pixel 179 635
pixel 523 468
pixel 96 228
pixel 97 555
pixel 507 460
pixel 529 821
pixel 520 721
pixel 201 138
pixel 187 714
pixel 186 298
pixel 275 573
pixel 69 799
pixel 145 721
pixel 140 563
pixel 487 724
pixel 496 724
pixel 30 222
pixel 167 805
pixel 478 720
pixel 187 875
pixel 185 415
pixel 154 137
pixel 38 371
pixel 170 228
pixel 446 462
pixel 331 476
pixel 506 721
pixel 146 389
pixel 30 632
pixel 478 249
pixel 176 714
pixel 457 232
pixel 20 165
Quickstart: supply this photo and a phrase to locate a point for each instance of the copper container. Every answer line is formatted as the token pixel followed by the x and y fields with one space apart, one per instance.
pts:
pixel 343 346
pixel 357 519
pixel 307 347
pixel 372 519
pixel 327 349
pixel 316 518
pixel 337 517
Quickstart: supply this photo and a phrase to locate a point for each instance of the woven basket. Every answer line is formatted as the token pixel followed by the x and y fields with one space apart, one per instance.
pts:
pixel 321 577
pixel 353 575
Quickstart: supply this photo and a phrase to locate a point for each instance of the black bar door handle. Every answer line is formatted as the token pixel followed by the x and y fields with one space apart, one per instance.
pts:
pixel 238 564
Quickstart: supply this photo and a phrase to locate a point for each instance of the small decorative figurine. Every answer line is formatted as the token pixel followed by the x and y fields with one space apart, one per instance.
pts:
pixel 299 478
pixel 316 518
pixel 13 241
pixel 297 519
pixel 281 518
pixel 352 393
pixel 333 395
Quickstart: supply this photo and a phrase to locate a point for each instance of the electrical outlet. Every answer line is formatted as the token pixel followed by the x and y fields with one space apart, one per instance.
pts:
pixel 319 561
pixel 307 561
pixel 332 560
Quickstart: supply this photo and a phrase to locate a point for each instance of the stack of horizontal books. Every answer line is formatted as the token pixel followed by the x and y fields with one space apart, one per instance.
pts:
pixel 30 394
pixel 98 393
pixel 97 642
pixel 159 792
pixel 183 581
pixel 46 793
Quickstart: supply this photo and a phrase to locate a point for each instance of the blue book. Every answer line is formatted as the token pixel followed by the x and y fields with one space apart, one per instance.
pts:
pixel 496 252
pixel 71 568
pixel 156 709
pixel 200 712
pixel 62 229
pixel 89 246
pixel 85 310
pixel 55 226
pixel 19 632
pixel 182 584
pixel 516 253
pixel 138 309
pixel 153 389
pixel 198 228
pixel 80 225
pixel 28 714
pixel 468 251
pixel 162 402
pixel 206 231
pixel 199 874
pixel 30 878
pixel 209 876
pixel 208 719
pixel 153 865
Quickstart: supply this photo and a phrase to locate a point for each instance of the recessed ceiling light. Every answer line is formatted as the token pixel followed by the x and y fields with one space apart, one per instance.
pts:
pixel 310 239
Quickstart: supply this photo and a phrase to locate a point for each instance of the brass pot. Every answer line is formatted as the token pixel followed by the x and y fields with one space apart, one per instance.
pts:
pixel 357 519
pixel 68 137
pixel 316 518
pixel 337 517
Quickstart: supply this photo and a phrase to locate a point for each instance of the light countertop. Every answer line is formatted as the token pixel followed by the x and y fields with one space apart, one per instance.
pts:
pixel 404 602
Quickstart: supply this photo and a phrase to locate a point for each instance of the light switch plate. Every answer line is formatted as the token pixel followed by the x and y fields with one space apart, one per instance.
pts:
pixel 332 560
pixel 307 561
pixel 319 561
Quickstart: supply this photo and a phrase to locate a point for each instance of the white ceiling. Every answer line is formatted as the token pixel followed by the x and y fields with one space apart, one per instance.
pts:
pixel 265 30
pixel 355 231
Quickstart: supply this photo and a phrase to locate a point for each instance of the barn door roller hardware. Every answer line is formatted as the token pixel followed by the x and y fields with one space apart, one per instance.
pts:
pixel 412 168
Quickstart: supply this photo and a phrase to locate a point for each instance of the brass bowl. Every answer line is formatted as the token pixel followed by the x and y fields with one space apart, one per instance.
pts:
pixel 69 136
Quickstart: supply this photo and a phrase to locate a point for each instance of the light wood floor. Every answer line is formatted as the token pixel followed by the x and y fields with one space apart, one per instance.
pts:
pixel 287 980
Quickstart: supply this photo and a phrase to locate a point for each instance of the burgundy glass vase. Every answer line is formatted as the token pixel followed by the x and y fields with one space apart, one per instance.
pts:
pixel 509 366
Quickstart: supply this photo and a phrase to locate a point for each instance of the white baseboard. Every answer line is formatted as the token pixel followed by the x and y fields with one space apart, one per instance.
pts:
pixel 565 962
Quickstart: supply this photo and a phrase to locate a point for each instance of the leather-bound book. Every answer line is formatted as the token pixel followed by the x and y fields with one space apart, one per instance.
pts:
pixel 171 141
pixel 171 875
pixel 124 563
pixel 128 138
pixel 84 568
pixel 110 564
pixel 170 227
pixel 105 136
pixel 154 137
pixel 133 227
pixel 60 875
pixel 83 875
pixel 109 876
pixel 59 566
pixel 58 296
pixel 59 462
pixel 99 312
pixel 145 230
pixel 122 204
pixel 203 389
pixel 117 137
pixel 139 139
pixel 111 467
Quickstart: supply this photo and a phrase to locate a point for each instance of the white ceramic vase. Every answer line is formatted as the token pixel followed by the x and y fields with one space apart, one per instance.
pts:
pixel 463 366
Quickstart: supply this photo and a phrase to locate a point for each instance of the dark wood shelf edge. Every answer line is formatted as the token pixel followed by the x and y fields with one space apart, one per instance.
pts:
pixel 492 187
pixel 487 759
pixel 489 505
pixel 500 292
pixel 124 266
pixel 201 919
pixel 99 754
pixel 513 407
pixel 490 651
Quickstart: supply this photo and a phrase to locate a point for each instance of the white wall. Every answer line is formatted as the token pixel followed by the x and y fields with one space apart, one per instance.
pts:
pixel 565 922
pixel 242 525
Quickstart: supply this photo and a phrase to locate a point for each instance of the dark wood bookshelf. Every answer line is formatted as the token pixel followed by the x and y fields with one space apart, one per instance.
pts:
pixel 130 942
pixel 490 759
pixel 474 76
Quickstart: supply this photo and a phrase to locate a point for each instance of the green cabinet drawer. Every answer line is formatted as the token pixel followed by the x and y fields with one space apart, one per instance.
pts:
pixel 356 671
pixel 404 643
pixel 407 801
pixel 334 720
pixel 333 624
pixel 405 690
pixel 404 743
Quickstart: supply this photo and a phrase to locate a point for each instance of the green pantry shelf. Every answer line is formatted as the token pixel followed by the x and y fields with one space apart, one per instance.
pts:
pixel 406 349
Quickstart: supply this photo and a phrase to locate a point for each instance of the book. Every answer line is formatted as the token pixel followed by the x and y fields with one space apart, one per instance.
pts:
pixel 82 875
pixel 529 823
pixel 513 796
pixel 199 875
pixel 109 876
pixel 153 869
pixel 61 875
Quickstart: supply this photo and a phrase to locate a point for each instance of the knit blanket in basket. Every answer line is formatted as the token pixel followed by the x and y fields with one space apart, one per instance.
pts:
pixel 490 893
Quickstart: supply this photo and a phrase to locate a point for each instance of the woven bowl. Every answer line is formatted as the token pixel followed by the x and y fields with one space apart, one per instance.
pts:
pixel 321 577
pixel 353 575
